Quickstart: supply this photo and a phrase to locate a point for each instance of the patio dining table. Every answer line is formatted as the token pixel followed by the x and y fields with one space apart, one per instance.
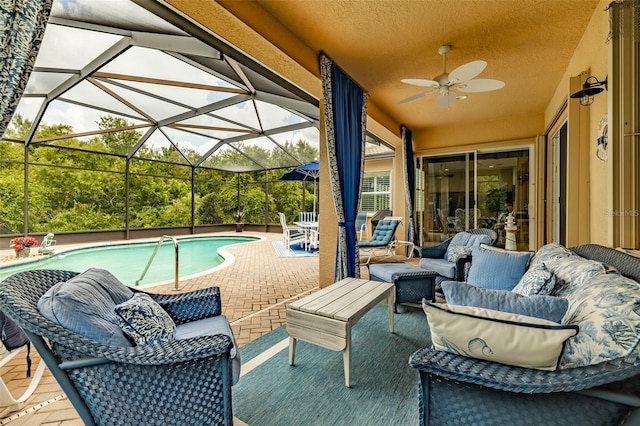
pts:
pixel 307 227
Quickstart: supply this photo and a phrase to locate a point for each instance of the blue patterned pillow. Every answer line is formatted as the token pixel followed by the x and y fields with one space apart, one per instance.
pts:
pixel 456 251
pixel 607 311
pixel 496 268
pixel 539 306
pixel 537 280
pixel 145 321
pixel 574 271
pixel 551 251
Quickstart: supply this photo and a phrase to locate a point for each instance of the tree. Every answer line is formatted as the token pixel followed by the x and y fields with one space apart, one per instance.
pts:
pixel 496 200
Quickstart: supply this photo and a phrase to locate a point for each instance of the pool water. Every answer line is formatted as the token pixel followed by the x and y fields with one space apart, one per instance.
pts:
pixel 127 261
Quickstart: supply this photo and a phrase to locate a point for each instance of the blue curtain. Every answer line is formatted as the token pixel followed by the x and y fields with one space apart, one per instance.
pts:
pixel 22 25
pixel 345 112
pixel 409 182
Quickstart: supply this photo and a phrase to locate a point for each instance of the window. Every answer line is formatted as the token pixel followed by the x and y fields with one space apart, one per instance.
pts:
pixel 376 193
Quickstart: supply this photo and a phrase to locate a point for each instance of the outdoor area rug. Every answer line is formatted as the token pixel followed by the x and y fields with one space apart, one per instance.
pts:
pixel 295 250
pixel 384 387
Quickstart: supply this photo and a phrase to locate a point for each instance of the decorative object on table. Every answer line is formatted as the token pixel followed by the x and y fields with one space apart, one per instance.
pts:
pixel 22 245
pixel 510 228
pixel 238 217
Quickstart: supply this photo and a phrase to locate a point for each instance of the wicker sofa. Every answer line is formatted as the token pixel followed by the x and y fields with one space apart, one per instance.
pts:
pixel 186 381
pixel 455 389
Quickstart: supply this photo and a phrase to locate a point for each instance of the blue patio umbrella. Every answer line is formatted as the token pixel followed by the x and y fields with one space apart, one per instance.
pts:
pixel 308 172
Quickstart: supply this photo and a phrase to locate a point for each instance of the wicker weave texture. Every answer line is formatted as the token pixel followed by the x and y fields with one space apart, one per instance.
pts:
pixel 480 406
pixel 184 382
pixel 456 390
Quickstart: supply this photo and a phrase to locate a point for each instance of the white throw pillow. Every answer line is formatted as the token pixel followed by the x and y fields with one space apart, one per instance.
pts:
pixel 502 337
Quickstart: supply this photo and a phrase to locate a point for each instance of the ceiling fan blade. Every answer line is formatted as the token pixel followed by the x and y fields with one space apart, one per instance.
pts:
pixel 416 96
pixel 446 99
pixel 480 85
pixel 467 71
pixel 421 82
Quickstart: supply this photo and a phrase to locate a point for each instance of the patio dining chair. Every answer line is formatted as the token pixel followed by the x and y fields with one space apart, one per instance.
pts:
pixel 307 216
pixel 290 234
pixel 361 224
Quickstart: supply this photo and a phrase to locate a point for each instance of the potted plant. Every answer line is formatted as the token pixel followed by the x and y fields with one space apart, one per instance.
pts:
pixel 238 217
pixel 22 245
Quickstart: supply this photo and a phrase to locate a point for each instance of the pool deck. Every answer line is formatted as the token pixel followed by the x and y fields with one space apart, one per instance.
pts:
pixel 255 290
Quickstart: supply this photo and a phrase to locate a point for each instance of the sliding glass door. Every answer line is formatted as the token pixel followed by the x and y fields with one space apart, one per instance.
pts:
pixel 445 189
pixel 474 190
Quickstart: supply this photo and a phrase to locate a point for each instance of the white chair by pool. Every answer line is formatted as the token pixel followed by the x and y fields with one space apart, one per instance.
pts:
pixel 307 216
pixel 291 234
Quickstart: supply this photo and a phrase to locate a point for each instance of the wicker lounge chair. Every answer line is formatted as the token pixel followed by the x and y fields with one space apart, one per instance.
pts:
pixel 434 258
pixel 185 382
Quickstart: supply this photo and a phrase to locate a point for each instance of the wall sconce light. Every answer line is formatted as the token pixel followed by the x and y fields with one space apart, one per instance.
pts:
pixel 592 86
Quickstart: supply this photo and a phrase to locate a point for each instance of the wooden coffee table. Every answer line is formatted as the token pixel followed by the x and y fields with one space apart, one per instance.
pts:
pixel 325 318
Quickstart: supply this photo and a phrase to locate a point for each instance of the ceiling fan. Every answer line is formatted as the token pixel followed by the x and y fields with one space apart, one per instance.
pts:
pixel 460 79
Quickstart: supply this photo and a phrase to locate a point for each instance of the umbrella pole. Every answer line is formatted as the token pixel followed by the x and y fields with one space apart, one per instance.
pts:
pixel 314 199
pixel 304 191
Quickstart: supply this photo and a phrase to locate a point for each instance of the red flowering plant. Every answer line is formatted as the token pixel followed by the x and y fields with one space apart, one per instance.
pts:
pixel 21 242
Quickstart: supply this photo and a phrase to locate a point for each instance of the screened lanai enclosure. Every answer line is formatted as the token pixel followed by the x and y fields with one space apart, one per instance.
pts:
pixel 129 122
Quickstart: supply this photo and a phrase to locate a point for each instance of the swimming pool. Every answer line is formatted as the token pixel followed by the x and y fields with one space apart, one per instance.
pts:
pixel 127 260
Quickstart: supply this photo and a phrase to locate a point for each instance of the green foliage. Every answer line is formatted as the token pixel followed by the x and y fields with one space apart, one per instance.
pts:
pixel 496 200
pixel 73 185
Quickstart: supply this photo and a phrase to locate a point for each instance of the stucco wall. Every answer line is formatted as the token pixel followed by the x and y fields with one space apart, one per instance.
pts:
pixel 591 54
pixel 275 47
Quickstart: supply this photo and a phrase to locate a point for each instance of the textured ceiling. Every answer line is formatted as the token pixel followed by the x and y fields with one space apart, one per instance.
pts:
pixel 526 43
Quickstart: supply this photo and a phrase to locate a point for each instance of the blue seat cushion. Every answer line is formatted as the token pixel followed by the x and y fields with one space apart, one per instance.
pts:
pixel 382 234
pixel 85 305
pixel 389 272
pixel 209 327
pixel 496 268
pixel 441 266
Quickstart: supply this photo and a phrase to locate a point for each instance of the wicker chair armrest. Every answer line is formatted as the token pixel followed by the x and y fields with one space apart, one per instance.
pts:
pixel 436 252
pixel 462 267
pixel 417 274
pixel 522 380
pixel 191 306
pixel 159 354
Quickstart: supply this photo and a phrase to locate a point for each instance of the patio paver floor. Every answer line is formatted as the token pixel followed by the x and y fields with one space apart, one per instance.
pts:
pixel 255 290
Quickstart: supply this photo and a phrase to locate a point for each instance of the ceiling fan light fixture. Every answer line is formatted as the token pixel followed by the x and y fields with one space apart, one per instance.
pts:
pixel 592 86
pixel 462 78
